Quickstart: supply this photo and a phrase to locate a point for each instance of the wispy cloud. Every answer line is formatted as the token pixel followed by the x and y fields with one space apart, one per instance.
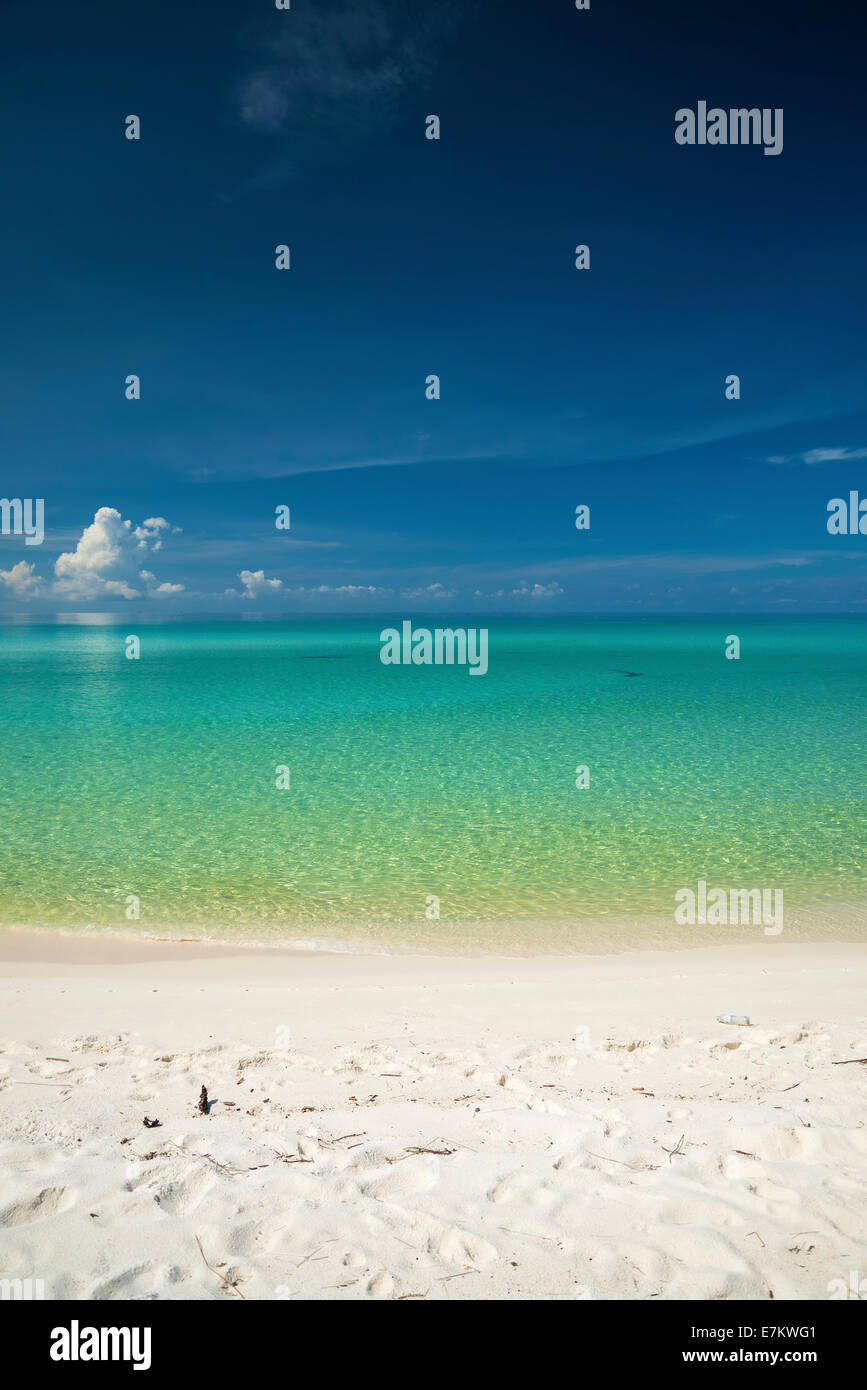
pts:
pixel 814 456
pixel 430 591
pixel 534 592
pixel 344 66
pixel 257 585
pixel 272 175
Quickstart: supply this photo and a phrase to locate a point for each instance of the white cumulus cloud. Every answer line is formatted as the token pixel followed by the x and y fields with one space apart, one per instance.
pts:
pixel 106 562
pixel 22 579
pixel 255 585
pixel 148 533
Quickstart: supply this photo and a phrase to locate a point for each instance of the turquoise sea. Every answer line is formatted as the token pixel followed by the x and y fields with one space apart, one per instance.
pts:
pixel 155 780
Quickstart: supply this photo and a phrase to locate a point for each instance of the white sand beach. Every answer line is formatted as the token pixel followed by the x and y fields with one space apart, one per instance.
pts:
pixel 430 1128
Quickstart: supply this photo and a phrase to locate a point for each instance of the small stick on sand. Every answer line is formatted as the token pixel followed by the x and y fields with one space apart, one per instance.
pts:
pixel 63 1085
pixel 606 1159
pixel 227 1282
pixel 316 1252
pixel 411 1150
pixel 677 1151
pixel 191 1153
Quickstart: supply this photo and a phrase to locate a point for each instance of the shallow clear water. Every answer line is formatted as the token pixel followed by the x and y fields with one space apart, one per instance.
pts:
pixel 156 777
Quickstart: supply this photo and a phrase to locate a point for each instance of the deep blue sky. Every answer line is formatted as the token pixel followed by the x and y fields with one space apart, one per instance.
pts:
pixel 412 257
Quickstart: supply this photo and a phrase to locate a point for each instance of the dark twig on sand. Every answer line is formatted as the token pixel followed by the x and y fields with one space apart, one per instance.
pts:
pixel 411 1152
pixel 227 1282
pixel 677 1151
pixel 607 1159
pixel 209 1158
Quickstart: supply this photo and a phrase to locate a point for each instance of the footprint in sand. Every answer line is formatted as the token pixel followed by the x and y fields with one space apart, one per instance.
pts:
pixel 184 1196
pixel 546 1107
pixel 175 1195
pixel 97 1042
pixel 772 1192
pixel 47 1203
pixel 142 1281
pixel 461 1247
pixel 256 1237
pixel 405 1179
